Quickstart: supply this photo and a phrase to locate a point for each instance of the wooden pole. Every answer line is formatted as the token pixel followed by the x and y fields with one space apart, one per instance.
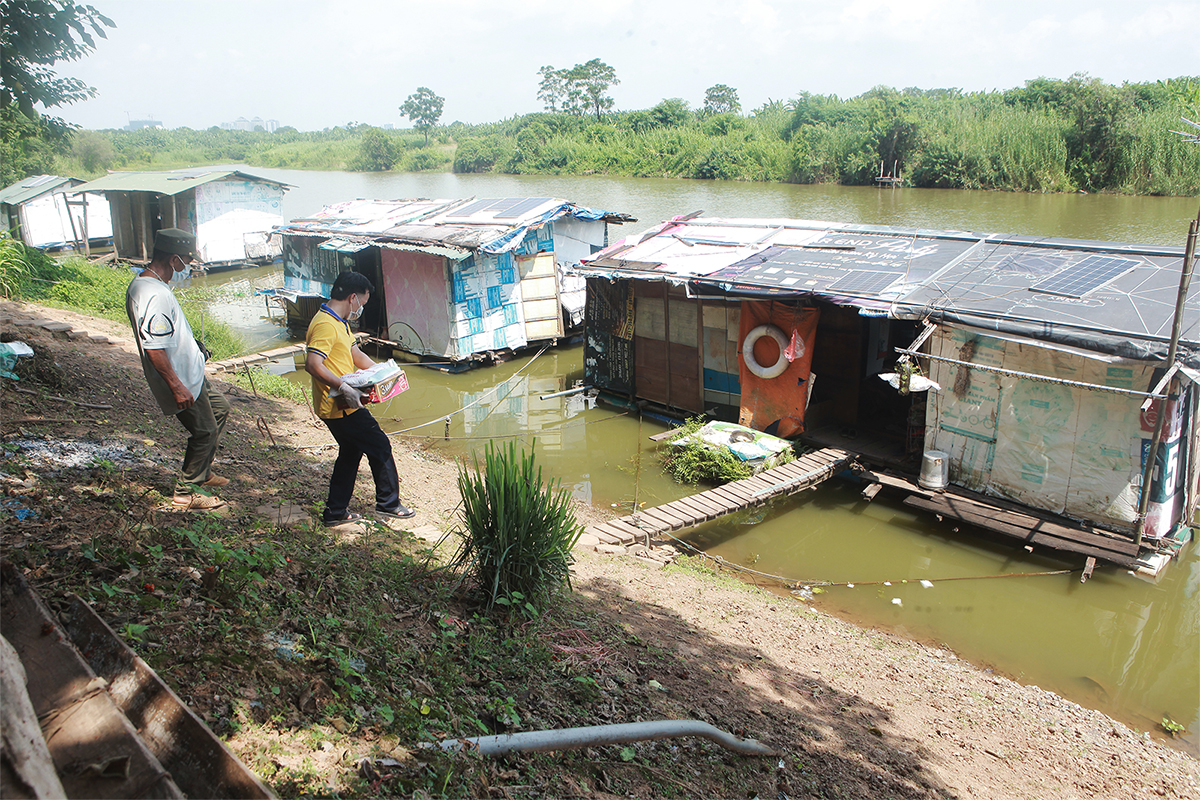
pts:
pixel 1185 279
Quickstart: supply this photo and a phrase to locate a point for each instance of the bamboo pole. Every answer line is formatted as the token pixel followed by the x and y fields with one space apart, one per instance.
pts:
pixel 1185 279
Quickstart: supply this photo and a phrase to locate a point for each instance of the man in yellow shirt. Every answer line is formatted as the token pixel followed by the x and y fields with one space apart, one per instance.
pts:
pixel 331 353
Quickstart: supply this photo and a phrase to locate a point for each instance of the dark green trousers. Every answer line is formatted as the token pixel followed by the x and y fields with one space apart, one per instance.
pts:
pixel 205 422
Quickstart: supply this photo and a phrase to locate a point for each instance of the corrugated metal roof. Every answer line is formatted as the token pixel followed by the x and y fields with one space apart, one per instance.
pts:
pixel 167 183
pixel 494 225
pixel 1126 292
pixel 34 186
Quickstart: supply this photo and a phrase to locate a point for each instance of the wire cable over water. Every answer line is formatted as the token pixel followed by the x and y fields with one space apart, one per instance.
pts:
pixel 795 586
pixel 446 417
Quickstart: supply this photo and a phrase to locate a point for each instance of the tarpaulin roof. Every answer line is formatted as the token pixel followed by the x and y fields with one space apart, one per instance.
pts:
pixel 34 186
pixel 453 227
pixel 168 183
pixel 1113 297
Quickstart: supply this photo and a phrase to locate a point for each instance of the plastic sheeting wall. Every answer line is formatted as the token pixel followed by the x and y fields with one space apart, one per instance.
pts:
pixel 486 305
pixel 229 211
pixel 47 221
pixel 417 300
pixel 1069 450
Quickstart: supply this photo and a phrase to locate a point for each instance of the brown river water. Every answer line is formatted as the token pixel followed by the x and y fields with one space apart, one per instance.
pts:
pixel 1118 644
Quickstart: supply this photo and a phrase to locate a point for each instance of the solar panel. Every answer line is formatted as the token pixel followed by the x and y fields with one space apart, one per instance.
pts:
pixel 523 207
pixel 472 208
pixel 864 282
pixel 1079 279
pixel 1030 264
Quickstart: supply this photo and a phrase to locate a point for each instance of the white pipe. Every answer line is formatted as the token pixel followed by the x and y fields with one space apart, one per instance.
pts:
pixel 576 390
pixel 596 735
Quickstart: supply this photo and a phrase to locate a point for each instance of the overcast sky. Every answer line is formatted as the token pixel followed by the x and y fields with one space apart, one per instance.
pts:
pixel 313 65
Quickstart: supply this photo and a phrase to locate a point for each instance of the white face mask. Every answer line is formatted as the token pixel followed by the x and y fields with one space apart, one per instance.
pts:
pixel 356 313
pixel 182 276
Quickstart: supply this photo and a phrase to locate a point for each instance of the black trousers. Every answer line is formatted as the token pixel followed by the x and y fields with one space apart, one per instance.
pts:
pixel 359 434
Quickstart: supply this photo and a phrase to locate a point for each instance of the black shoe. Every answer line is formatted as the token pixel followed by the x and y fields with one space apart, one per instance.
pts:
pixel 350 517
pixel 401 511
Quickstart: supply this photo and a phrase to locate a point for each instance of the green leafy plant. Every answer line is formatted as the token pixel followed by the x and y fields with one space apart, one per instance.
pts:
pixel 518 529
pixel 696 462
pixel 1172 727
pixel 134 631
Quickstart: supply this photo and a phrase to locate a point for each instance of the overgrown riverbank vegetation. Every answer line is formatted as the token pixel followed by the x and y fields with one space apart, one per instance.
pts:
pixel 1049 135
pixel 27 273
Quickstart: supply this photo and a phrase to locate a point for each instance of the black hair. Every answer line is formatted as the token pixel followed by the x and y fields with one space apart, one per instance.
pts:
pixel 349 283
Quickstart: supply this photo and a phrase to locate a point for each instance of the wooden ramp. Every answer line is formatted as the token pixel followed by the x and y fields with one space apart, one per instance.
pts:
pixel 241 362
pixel 806 471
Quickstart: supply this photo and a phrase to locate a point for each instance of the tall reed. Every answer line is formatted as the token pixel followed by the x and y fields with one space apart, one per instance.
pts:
pixel 518 530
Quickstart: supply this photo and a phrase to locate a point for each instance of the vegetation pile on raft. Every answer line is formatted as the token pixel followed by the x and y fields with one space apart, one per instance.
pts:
pixel 692 457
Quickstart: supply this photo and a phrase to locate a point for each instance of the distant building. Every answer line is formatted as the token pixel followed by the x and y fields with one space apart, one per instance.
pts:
pixel 138 124
pixel 243 124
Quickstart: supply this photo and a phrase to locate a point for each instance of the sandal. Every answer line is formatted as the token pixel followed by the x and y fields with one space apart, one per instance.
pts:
pixel 350 517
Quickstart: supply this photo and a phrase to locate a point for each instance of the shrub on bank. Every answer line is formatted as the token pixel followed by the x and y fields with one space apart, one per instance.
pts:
pixel 518 530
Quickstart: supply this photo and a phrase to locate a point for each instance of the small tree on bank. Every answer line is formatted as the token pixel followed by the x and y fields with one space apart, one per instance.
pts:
pixel 424 109
pixel 721 99
pixel 582 89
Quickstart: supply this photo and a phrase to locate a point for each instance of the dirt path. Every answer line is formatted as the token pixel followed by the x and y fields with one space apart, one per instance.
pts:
pixel 854 712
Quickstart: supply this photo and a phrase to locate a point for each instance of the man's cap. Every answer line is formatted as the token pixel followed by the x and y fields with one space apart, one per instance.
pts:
pixel 175 240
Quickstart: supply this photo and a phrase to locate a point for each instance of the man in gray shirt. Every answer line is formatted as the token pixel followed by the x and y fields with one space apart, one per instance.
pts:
pixel 174 368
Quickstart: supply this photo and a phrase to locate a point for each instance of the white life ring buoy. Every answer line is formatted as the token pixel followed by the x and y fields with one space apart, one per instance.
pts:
pixel 748 352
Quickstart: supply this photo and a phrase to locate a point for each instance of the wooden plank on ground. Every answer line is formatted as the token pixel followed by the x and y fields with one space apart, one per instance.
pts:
pixel 681 520
pixel 622 530
pixel 199 763
pixel 662 520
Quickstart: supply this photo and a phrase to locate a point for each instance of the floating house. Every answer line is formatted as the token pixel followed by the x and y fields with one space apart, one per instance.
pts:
pixel 457 281
pixel 1031 373
pixel 41 213
pixel 232 213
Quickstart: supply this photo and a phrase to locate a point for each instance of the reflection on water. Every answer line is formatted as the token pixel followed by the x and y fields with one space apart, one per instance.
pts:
pixel 1121 645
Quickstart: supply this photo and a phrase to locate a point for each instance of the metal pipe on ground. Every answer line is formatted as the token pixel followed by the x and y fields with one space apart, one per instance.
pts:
pixel 597 735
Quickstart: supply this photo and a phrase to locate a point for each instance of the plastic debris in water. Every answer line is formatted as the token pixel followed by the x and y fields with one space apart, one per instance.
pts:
pixel 927 584
pixel 896 601
pixel 849 585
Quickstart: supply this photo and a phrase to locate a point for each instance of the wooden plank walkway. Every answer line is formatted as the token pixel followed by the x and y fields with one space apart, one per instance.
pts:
pixel 240 362
pixel 806 471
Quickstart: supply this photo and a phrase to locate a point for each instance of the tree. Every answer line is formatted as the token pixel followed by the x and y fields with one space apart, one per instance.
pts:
pixel 593 80
pixel 671 113
pixel 376 152
pixel 37 34
pixel 552 90
pixel 582 89
pixel 721 99
pixel 424 109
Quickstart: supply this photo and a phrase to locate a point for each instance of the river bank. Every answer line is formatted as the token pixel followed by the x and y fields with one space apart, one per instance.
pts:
pixel 853 712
